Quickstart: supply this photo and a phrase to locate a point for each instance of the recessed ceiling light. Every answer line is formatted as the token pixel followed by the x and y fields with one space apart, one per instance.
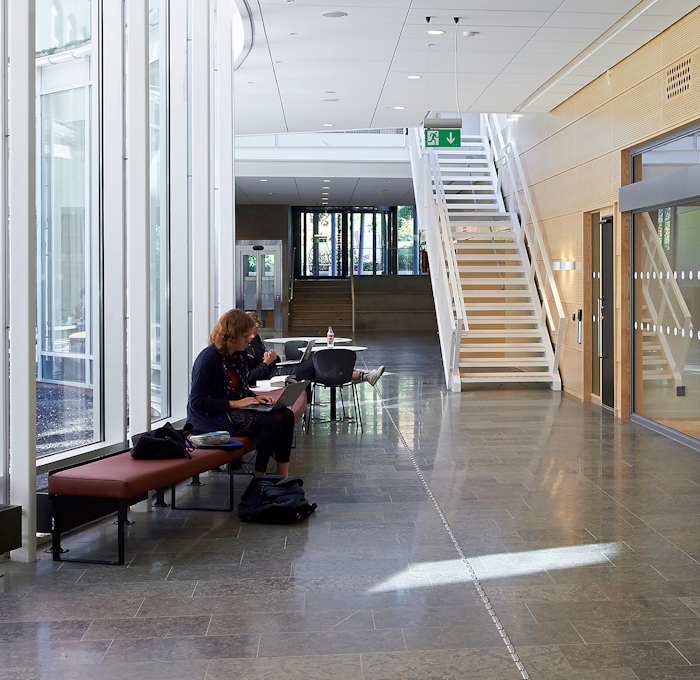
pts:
pixel 330 91
pixel 470 34
pixel 263 180
pixel 400 108
pixel 293 34
pixel 326 180
pixel 334 15
pixel 435 32
pixel 325 193
pixel 328 125
pixel 330 99
pixel 414 77
pixel 326 187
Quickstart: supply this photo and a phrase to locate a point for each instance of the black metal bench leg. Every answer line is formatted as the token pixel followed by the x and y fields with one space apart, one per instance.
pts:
pixel 56 529
pixel 160 498
pixel 172 496
pixel 195 481
pixel 229 469
pixel 121 519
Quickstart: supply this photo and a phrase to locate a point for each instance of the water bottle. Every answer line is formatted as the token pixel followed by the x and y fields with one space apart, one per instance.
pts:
pixel 330 336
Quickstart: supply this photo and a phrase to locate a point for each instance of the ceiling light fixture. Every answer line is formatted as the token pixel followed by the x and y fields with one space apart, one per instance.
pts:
pixel 613 31
pixel 326 187
pixel 400 108
pixel 263 180
pixel 470 34
pixel 328 125
pixel 326 180
pixel 414 77
pixel 330 99
pixel 334 15
pixel 435 32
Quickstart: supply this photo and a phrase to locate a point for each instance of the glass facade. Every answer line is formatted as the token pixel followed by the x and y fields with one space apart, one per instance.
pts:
pixel 666 357
pixel 159 302
pixel 374 241
pixel 67 237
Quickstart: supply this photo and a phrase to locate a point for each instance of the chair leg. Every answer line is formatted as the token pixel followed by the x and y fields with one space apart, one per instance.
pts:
pixel 356 400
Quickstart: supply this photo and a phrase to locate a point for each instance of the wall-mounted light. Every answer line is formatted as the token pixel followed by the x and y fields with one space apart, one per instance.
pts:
pixel 565 265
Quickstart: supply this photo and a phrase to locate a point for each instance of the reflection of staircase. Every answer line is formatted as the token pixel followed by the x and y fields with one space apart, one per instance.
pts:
pixel 505 342
pixel 321 303
pixel 655 364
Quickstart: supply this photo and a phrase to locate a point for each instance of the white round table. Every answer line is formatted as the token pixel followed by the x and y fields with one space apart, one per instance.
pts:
pixel 354 348
pixel 320 341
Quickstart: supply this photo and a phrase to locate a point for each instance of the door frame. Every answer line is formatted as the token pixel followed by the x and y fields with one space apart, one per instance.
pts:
pixel 622 286
pixel 273 246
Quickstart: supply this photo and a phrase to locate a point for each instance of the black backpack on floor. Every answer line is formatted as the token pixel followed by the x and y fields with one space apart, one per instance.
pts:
pixel 272 499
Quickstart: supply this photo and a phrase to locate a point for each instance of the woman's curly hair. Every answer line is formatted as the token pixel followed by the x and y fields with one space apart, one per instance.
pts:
pixel 230 328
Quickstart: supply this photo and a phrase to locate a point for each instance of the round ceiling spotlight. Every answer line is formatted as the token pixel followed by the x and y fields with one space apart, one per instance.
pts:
pixel 334 15
pixel 435 32
pixel 328 125
pixel 414 77
pixel 400 108
pixel 263 180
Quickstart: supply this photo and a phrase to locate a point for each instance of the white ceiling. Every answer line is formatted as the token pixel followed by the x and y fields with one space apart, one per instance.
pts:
pixel 344 191
pixel 363 60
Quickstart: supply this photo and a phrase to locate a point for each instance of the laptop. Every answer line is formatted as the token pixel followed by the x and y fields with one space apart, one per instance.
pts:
pixel 304 357
pixel 290 394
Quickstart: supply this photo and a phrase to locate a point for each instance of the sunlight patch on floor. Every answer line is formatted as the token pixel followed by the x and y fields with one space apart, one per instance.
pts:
pixel 503 565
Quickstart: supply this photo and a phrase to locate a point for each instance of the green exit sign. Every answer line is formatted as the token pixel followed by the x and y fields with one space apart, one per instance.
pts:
pixel 443 138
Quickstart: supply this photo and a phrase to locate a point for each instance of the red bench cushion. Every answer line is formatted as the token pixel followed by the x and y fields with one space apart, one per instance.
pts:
pixel 123 477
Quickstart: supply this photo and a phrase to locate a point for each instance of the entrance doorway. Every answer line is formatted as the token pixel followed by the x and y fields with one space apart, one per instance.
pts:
pixel 602 295
pixel 340 242
pixel 259 281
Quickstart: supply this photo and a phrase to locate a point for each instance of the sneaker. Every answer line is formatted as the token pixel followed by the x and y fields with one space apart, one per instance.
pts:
pixel 372 377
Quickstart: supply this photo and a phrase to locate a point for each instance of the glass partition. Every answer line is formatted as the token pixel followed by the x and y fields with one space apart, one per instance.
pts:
pixel 666 311
pixel 683 151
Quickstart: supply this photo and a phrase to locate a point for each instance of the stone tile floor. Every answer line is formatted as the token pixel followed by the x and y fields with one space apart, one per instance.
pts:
pixel 583 532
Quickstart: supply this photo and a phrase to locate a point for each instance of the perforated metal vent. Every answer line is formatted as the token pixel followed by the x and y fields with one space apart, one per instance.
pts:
pixel 678 79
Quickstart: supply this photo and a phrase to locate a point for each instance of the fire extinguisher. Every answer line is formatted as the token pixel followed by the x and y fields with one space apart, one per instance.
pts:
pixel 425 267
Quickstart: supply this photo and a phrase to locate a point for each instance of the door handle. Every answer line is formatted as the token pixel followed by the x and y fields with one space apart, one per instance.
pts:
pixel 600 328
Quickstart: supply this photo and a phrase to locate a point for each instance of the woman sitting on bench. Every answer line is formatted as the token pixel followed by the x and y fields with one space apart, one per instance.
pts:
pixel 220 393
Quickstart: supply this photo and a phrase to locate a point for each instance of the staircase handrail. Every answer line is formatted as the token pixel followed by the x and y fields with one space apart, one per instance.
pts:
pixel 448 306
pixel 448 245
pixel 507 154
pixel 652 244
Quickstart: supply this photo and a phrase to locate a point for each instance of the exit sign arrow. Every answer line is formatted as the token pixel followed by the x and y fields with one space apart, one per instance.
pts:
pixel 443 138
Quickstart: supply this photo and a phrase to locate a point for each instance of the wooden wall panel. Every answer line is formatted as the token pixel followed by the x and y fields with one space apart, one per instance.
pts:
pixel 637 112
pixel 576 161
pixel 676 40
pixel 631 72
pixel 593 96
pixel 594 134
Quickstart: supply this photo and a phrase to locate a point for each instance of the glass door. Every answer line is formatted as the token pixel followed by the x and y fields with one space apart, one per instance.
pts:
pixel 259 285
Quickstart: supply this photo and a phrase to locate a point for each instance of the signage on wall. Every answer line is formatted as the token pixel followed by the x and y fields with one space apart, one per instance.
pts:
pixel 320 239
pixel 437 138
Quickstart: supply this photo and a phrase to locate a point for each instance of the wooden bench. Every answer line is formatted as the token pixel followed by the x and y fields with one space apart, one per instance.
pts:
pixel 84 492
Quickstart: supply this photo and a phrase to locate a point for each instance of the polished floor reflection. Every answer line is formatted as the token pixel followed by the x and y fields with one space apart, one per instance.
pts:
pixel 582 531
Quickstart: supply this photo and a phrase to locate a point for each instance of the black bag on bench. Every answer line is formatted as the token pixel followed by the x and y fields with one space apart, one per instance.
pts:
pixel 272 499
pixel 164 442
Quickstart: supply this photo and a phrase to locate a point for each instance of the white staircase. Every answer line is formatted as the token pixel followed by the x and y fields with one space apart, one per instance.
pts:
pixel 502 324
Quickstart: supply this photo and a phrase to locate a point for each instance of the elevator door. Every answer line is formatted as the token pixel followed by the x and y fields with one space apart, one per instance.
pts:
pixel 603 327
pixel 259 282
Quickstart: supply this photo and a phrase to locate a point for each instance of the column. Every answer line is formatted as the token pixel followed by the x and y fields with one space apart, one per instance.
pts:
pixel 200 228
pixel 22 279
pixel 138 217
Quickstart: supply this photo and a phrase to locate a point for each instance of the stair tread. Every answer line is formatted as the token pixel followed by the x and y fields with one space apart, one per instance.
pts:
pixel 506 333
pixel 504 361
pixel 506 377
pixel 485 306
pixel 503 347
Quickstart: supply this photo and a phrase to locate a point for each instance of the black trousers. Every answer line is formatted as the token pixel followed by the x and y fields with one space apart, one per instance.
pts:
pixel 273 432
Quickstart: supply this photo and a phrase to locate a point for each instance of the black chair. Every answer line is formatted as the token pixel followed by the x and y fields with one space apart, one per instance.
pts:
pixel 292 349
pixel 334 368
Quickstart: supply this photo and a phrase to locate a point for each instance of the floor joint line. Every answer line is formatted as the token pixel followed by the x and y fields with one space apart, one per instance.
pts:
pixel 472 574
